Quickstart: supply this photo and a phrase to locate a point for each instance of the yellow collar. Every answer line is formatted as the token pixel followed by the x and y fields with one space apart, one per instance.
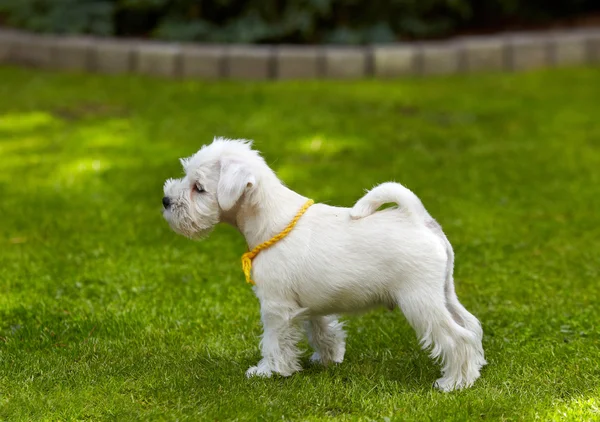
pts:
pixel 249 256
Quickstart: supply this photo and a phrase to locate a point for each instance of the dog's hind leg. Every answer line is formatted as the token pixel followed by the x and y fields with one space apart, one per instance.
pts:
pixel 457 310
pixel 457 348
pixel 462 316
pixel 327 337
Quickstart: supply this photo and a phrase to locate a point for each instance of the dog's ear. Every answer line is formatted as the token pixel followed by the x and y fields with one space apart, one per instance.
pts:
pixel 235 178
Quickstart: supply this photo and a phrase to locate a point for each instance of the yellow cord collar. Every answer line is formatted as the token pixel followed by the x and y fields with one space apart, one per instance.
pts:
pixel 249 256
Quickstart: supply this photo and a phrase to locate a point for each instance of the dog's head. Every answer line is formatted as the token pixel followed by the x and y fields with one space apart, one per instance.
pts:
pixel 216 180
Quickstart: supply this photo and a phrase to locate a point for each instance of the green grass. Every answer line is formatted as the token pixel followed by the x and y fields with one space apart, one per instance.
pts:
pixel 105 314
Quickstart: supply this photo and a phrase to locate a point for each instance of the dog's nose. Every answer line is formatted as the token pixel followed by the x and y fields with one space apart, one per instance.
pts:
pixel 166 201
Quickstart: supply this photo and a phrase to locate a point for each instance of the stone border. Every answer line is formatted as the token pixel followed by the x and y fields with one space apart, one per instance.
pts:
pixel 496 53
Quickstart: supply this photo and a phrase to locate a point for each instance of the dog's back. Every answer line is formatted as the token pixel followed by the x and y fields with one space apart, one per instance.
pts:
pixel 340 264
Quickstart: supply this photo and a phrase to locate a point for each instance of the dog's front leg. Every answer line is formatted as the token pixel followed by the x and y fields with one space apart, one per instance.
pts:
pixel 279 341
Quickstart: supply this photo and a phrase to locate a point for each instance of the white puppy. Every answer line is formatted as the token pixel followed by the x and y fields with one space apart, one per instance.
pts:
pixel 335 260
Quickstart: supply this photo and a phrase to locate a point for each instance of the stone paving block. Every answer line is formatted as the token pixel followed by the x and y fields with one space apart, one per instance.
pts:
pixel 529 51
pixel 158 59
pixel 345 62
pixel 593 46
pixel 569 48
pixel 395 60
pixel 298 62
pixel 202 62
pixel 32 50
pixel 112 57
pixel 39 53
pixel 439 58
pixel 7 41
pixel 250 63
pixel 72 53
pixel 484 53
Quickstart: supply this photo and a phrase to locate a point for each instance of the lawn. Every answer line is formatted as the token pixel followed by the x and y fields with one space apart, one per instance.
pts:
pixel 106 314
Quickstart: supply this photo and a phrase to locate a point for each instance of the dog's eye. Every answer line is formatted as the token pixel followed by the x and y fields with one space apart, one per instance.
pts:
pixel 198 188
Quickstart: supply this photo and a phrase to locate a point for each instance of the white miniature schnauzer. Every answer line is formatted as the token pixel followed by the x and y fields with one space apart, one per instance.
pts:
pixel 334 260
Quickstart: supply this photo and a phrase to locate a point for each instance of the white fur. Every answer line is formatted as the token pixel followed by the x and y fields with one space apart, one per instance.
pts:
pixel 336 260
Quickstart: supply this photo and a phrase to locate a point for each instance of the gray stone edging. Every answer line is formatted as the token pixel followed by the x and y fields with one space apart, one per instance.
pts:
pixel 501 52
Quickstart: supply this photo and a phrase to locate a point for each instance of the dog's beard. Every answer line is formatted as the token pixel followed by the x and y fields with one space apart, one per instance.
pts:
pixel 186 226
pixel 199 234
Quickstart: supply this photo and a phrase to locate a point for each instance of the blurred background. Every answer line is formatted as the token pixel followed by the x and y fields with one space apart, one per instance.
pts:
pixel 293 21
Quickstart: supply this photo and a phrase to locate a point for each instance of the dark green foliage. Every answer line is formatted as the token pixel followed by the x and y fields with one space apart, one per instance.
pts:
pixel 296 21
pixel 60 16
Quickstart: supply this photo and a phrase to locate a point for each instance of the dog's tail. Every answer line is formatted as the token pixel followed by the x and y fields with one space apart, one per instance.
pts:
pixel 386 193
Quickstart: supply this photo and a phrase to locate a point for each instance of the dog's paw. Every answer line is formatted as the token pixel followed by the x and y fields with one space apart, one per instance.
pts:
pixel 338 357
pixel 448 384
pixel 315 358
pixel 444 384
pixel 258 371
